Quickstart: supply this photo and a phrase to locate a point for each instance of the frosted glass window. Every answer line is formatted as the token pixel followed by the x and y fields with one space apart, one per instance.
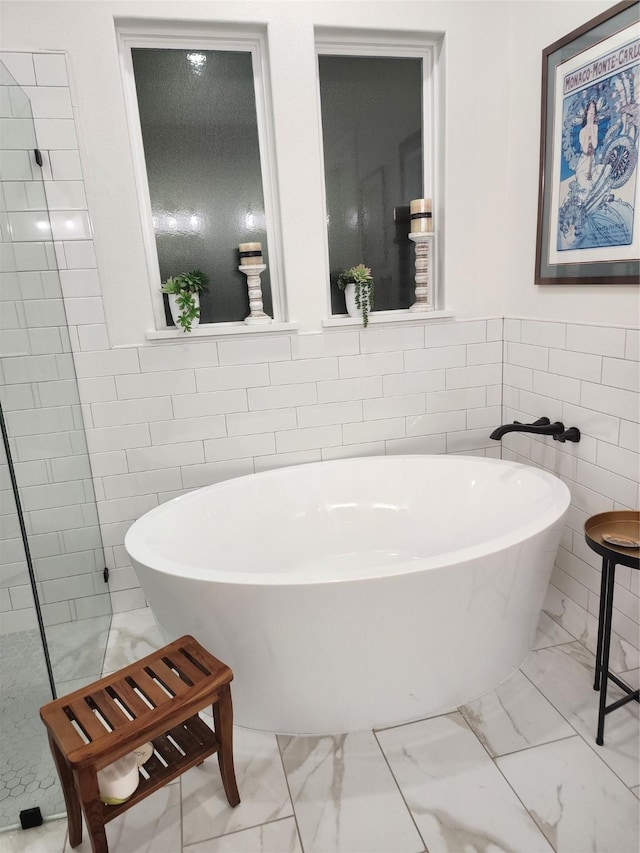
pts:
pixel 372 138
pixel 200 135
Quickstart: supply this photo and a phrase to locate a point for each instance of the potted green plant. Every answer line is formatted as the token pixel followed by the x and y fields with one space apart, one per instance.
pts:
pixel 357 283
pixel 184 297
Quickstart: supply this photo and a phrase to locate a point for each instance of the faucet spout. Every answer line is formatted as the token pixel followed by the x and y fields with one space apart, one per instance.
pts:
pixel 540 427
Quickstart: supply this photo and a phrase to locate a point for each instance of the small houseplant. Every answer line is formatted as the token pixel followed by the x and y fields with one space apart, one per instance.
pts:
pixel 184 297
pixel 357 282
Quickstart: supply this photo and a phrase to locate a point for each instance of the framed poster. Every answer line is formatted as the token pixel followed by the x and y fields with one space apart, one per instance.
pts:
pixel 589 194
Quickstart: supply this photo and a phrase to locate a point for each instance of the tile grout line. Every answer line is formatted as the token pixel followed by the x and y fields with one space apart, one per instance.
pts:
pixel 531 746
pixel 418 720
pixel 517 796
pixel 495 764
pixel 188 847
pixel 400 791
pixel 286 779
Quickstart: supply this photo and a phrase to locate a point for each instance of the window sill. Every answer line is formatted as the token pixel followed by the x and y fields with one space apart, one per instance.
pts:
pixel 387 317
pixel 219 330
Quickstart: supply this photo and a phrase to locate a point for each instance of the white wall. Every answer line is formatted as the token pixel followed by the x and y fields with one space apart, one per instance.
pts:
pixel 476 137
pixel 493 62
pixel 535 26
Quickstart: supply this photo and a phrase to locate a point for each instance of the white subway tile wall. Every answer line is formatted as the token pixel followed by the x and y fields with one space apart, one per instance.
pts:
pixel 591 381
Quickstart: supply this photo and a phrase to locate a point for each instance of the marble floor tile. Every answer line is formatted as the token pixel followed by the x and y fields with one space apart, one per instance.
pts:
pixel 514 716
pixel 279 836
pixel 564 674
pixel 550 633
pixel 584 627
pixel 344 796
pixel 48 838
pixel 459 799
pixel 151 826
pixel 133 635
pixel 261 782
pixel 632 678
pixel 76 649
pixel 581 805
pixel 64 687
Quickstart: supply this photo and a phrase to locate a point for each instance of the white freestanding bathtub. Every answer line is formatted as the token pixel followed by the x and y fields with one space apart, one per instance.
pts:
pixel 358 593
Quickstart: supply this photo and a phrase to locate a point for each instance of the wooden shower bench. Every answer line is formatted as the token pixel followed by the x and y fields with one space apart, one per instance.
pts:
pixel 156 699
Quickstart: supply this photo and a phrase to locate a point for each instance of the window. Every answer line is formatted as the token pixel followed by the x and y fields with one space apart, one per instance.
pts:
pixel 204 159
pixel 375 104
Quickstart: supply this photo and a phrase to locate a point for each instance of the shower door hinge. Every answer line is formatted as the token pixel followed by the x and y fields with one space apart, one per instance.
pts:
pixel 38 156
pixel 105 574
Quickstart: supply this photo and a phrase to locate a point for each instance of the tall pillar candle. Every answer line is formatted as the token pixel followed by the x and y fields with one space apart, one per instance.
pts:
pixel 421 217
pixel 250 254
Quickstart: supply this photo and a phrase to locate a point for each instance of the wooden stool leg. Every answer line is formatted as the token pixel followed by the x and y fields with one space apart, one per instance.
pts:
pixel 223 721
pixel 87 784
pixel 65 774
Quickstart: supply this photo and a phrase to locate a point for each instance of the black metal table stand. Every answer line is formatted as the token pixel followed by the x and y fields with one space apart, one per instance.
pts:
pixel 602 675
pixel 618 522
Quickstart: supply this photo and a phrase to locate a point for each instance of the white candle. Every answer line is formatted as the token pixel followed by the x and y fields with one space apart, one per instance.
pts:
pixel 420 212
pixel 119 780
pixel 250 254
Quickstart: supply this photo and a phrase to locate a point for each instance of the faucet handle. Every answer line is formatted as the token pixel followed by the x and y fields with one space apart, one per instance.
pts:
pixel 571 434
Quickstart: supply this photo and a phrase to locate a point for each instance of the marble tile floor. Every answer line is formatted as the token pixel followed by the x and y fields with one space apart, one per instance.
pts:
pixel 517 771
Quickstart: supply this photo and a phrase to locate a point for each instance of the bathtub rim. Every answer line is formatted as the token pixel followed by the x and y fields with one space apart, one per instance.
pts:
pixel 140 553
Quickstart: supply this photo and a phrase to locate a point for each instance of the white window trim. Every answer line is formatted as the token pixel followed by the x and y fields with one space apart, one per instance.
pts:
pixel 384 318
pixel 200 37
pixel 339 42
pixel 220 330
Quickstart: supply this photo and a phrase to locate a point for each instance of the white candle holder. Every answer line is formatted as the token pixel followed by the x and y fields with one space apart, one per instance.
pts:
pixel 257 315
pixel 424 296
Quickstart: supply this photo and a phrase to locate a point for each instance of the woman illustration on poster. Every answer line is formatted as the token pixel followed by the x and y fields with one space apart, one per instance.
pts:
pixel 588 137
pixel 600 142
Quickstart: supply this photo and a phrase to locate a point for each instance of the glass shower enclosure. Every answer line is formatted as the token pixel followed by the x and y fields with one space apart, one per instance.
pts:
pixel 55 607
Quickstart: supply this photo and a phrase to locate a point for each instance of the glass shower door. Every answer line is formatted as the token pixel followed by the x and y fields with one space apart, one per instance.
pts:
pixel 55 604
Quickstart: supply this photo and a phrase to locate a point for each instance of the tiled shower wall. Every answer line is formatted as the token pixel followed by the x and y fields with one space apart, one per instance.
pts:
pixel 39 391
pixel 586 376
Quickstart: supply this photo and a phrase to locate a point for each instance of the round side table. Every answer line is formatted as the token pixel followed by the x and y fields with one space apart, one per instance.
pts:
pixel 622 525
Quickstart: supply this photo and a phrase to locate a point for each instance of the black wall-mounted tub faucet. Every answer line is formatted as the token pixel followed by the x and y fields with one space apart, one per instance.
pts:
pixel 542 426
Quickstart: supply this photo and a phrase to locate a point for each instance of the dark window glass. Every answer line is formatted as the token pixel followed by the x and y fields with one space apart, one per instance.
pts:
pixel 372 137
pixel 200 135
